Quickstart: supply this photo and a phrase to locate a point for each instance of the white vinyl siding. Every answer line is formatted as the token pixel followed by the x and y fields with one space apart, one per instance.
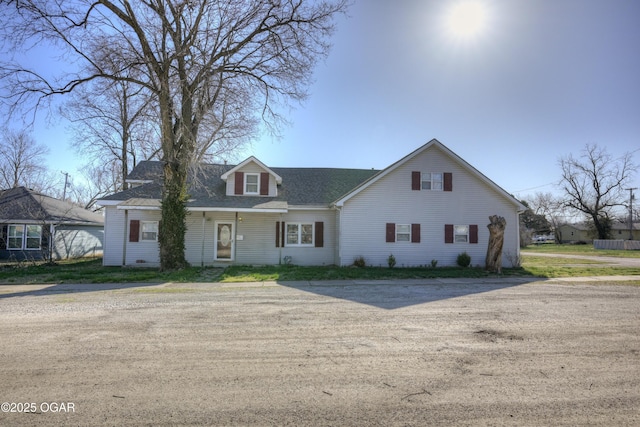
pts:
pixel 113 242
pixel 78 241
pixel 252 168
pixel 391 200
pixel 309 254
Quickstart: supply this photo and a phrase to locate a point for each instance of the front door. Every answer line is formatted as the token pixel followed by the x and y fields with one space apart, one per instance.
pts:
pixel 224 241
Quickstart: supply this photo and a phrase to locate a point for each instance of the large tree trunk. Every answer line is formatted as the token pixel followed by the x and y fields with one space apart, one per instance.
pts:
pixel 174 193
pixel 173 225
pixel 496 240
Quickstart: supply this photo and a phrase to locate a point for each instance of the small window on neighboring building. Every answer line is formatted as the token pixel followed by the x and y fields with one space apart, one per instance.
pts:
pixel 22 237
pixel 461 233
pixel 14 236
pixel 431 181
pixel 34 236
pixel 149 231
pixel 251 183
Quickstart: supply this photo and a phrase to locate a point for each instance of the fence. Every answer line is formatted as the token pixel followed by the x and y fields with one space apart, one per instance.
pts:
pixel 626 245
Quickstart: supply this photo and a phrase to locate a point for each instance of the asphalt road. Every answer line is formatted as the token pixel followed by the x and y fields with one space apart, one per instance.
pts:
pixel 407 353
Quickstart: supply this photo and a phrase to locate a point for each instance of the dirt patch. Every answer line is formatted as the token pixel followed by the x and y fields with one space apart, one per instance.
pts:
pixel 393 353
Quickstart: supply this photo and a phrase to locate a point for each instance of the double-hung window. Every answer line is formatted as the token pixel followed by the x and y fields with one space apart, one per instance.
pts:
pixel 149 231
pixel 34 236
pixel 299 234
pixel 24 237
pixel 403 232
pixel 251 183
pixel 14 236
pixel 431 181
pixel 461 233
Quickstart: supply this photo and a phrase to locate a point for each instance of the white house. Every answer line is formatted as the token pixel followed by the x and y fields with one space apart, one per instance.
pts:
pixel 429 205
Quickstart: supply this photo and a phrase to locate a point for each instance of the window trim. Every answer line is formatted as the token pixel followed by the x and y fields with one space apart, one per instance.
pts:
pixel 456 234
pixel 142 232
pixel 257 183
pixel 431 181
pixel 27 238
pixel 404 233
pixel 15 237
pixel 24 237
pixel 299 226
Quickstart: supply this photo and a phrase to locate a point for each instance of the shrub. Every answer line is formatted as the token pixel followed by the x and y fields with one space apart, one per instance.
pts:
pixel 359 262
pixel 464 260
pixel 391 261
pixel 434 263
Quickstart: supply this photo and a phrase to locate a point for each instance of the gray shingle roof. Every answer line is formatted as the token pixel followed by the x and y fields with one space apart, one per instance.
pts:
pixel 300 186
pixel 22 204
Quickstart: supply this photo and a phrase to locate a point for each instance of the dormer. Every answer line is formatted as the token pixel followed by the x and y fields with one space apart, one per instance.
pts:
pixel 252 178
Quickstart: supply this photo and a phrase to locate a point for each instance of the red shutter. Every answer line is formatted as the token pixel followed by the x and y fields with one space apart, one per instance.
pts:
pixel 473 233
pixel 277 234
pixel 264 184
pixel 239 177
pixel 415 180
pixel 319 234
pixel 448 233
pixel 415 233
pixel 134 230
pixel 391 232
pixel 448 181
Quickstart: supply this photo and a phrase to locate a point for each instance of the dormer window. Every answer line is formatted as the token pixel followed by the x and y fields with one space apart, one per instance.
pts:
pixel 251 183
pixel 261 181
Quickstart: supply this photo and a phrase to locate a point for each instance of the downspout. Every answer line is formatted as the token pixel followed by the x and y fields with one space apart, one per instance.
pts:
pixel 234 243
pixel 124 237
pixel 281 243
pixel 202 248
pixel 338 234
pixel 52 236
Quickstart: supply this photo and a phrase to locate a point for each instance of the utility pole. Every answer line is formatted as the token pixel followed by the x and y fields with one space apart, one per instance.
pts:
pixel 66 179
pixel 631 211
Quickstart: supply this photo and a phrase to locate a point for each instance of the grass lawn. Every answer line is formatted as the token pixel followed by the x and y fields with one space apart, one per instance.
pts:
pixel 92 271
pixel 579 250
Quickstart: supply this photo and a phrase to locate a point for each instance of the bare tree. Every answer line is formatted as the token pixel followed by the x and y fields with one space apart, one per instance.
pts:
pixel 201 60
pixel 99 180
pixel 553 209
pixel 113 123
pixel 22 161
pixel 593 184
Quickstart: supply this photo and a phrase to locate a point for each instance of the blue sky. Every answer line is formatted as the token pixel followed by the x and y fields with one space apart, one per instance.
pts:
pixel 539 81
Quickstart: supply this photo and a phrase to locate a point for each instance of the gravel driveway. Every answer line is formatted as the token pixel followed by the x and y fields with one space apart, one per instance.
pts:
pixel 430 352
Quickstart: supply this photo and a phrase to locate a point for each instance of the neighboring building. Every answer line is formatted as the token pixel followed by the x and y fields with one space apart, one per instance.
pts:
pixel 581 232
pixel 33 226
pixel 429 205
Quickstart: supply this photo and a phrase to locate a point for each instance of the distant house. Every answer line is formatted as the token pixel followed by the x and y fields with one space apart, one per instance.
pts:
pixel 429 205
pixel 33 225
pixel 581 232
pixel 574 233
